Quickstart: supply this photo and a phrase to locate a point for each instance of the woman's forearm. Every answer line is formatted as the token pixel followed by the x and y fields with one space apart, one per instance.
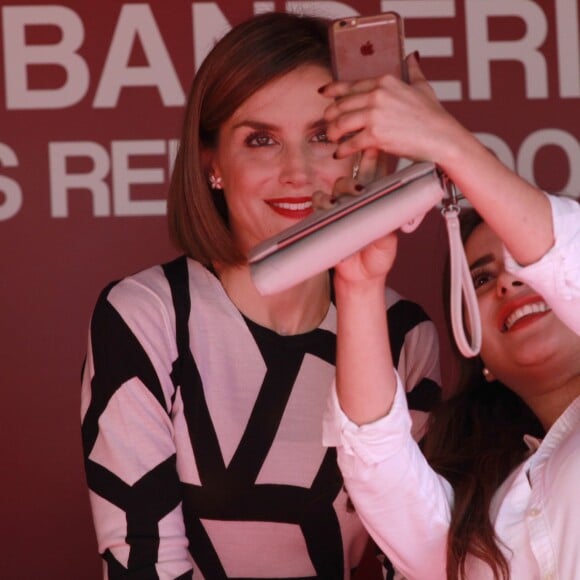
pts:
pixel 518 212
pixel 364 370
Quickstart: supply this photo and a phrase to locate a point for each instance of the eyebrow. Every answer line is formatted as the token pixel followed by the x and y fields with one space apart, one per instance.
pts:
pixel 261 126
pixel 488 258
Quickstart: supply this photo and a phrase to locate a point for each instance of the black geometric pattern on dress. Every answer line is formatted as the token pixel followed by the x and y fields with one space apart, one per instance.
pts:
pixel 225 493
pixel 424 396
pixel 403 317
pixel 389 569
pixel 230 493
pixel 118 357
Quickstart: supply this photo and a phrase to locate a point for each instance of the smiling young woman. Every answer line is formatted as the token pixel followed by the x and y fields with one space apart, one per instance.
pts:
pixel 272 154
pixel 202 401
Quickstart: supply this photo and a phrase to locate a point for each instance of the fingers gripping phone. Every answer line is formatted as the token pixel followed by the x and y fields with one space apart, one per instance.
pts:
pixel 363 47
pixel 367 46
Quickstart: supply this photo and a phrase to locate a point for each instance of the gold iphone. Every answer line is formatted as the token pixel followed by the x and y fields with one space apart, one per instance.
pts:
pixel 367 46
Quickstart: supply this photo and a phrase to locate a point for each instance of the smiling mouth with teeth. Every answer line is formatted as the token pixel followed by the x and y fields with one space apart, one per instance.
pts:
pixel 293 206
pixel 522 312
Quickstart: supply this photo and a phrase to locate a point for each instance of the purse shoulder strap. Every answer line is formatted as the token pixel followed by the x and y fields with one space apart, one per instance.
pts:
pixel 462 289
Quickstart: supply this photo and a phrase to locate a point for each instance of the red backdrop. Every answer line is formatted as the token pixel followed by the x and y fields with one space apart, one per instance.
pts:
pixel 91 98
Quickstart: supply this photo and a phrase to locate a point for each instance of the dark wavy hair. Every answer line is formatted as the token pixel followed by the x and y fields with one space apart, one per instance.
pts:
pixel 475 440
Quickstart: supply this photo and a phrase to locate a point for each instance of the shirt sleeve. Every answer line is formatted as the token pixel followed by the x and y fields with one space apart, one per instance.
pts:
pixel 559 488
pixel 128 436
pixel 556 276
pixel 403 503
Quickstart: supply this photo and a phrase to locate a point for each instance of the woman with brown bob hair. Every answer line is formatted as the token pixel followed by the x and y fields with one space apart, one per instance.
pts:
pixel 245 60
pixel 489 498
pixel 202 401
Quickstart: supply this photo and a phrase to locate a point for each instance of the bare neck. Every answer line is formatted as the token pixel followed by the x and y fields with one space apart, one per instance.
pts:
pixel 294 311
pixel 554 397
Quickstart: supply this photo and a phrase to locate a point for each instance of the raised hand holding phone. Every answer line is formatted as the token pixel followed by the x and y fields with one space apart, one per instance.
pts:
pixel 366 47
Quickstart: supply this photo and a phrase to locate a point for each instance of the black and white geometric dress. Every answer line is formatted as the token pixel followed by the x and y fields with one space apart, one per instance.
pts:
pixel 202 433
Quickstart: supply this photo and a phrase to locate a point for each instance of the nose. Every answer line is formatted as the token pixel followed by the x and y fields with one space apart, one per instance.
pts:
pixel 506 282
pixel 296 166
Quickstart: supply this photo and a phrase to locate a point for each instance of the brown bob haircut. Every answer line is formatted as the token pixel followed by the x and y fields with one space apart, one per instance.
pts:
pixel 248 57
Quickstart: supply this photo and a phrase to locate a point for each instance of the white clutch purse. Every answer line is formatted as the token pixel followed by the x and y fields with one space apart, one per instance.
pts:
pixel 327 236
pixel 398 201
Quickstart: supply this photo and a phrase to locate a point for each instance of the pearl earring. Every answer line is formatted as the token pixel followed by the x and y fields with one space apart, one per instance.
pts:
pixel 215 182
pixel 487 375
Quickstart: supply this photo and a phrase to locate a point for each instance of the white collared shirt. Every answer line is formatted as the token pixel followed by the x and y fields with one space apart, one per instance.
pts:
pixel 536 511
